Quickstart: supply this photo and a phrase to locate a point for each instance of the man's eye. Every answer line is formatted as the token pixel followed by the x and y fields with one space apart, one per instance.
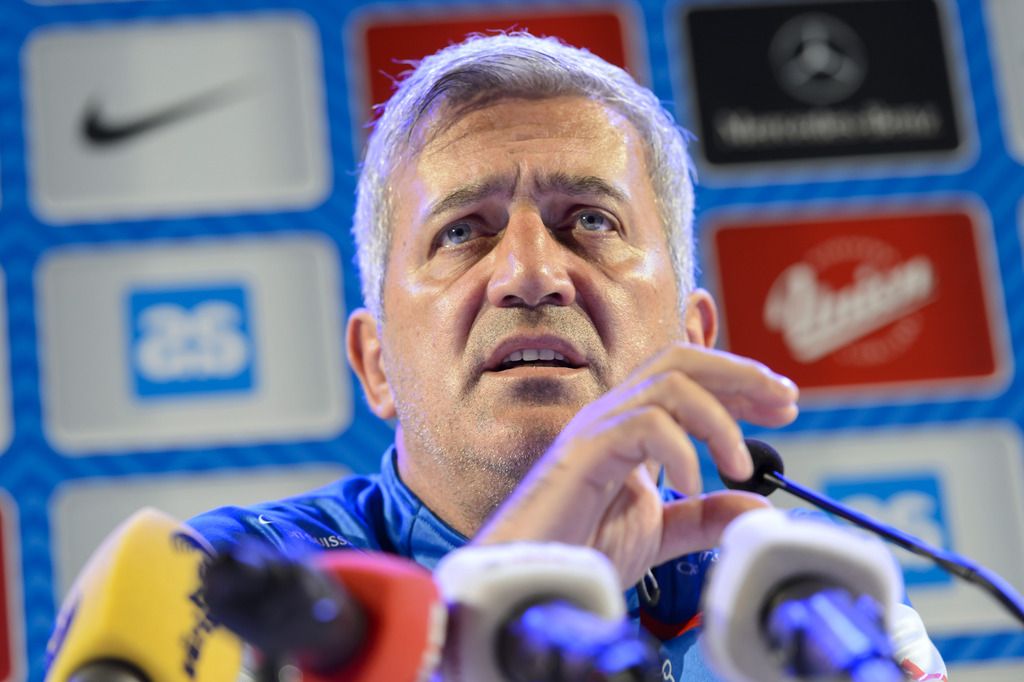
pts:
pixel 456 234
pixel 593 221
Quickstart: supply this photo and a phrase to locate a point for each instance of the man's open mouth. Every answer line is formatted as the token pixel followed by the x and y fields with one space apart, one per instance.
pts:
pixel 534 357
pixel 535 350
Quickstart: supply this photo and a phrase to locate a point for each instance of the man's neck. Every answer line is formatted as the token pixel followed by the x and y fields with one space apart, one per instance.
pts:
pixel 462 496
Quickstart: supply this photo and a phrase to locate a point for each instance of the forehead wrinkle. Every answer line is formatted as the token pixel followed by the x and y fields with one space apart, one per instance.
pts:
pixel 467 194
pixel 556 182
pixel 567 184
pixel 497 183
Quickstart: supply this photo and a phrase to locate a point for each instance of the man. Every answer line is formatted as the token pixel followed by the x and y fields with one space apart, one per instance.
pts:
pixel 523 227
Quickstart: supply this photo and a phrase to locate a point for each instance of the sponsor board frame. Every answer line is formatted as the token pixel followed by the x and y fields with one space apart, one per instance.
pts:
pixel 7 421
pixel 1010 109
pixel 923 391
pixel 71 546
pixel 363 18
pixel 838 168
pixel 155 203
pixel 70 435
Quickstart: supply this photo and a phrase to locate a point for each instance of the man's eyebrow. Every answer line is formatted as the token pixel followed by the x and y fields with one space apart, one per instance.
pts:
pixel 551 183
pixel 577 185
pixel 473 193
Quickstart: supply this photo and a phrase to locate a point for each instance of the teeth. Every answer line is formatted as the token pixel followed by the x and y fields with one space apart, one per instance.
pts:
pixel 534 354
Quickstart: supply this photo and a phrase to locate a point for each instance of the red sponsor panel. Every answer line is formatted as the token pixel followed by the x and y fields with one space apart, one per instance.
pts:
pixel 10 631
pixel 856 300
pixel 389 43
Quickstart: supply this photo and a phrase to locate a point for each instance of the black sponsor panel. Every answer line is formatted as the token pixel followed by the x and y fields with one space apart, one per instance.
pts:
pixel 818 80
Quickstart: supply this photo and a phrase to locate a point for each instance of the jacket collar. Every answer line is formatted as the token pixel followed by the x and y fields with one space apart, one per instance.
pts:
pixel 413 529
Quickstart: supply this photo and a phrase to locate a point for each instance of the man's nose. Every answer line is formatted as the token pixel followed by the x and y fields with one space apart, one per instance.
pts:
pixel 530 265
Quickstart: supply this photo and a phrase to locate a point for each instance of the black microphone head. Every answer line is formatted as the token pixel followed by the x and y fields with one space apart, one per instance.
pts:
pixel 283 606
pixel 109 670
pixel 766 460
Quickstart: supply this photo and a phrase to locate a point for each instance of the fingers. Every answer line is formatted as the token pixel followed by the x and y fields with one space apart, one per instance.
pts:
pixel 737 382
pixel 693 524
pixel 647 433
pixel 706 392
pixel 581 490
pixel 568 493
pixel 745 409
pixel 700 414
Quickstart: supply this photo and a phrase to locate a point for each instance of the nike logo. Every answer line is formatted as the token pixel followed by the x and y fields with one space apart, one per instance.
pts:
pixel 100 131
pixel 262 520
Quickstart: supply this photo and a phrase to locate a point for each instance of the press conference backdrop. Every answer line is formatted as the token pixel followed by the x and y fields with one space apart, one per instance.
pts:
pixel 176 183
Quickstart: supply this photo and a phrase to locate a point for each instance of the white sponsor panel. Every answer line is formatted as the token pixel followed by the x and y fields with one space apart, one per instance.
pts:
pixel 84 512
pixel 1006 22
pixel 6 417
pixel 192 343
pixel 987 671
pixel 960 487
pixel 179 117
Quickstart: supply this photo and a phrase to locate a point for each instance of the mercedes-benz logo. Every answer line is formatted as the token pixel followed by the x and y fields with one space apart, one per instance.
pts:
pixel 818 59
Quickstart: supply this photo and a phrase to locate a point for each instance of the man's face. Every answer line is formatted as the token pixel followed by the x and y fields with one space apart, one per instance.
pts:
pixel 528 274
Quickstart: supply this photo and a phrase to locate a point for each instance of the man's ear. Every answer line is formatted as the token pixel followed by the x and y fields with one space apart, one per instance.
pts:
pixel 701 319
pixel 366 357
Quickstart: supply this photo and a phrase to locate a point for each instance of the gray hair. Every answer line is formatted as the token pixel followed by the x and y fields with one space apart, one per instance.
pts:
pixel 485 69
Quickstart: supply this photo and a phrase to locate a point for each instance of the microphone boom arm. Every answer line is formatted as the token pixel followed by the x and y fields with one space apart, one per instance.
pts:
pixel 950 561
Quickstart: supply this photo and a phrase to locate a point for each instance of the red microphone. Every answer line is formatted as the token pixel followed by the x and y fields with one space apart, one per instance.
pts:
pixel 406 614
pixel 340 616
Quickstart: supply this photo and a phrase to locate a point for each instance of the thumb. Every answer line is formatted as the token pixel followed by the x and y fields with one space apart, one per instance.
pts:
pixel 693 524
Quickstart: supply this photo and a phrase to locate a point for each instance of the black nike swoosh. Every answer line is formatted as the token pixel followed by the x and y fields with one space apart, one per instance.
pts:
pixel 100 132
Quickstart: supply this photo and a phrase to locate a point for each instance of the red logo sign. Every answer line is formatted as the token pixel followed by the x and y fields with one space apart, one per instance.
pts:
pixel 9 557
pixel 863 300
pixel 389 44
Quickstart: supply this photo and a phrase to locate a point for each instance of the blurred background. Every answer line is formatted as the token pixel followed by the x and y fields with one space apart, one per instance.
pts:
pixel 176 185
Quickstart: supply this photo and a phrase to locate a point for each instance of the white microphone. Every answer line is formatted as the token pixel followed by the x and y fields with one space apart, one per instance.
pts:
pixel 798 597
pixel 538 611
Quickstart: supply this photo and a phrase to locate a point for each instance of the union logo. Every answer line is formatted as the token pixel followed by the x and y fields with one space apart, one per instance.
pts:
pixel 816 319
pixel 896 299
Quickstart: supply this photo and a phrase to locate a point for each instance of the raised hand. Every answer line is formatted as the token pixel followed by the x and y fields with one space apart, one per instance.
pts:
pixel 596 485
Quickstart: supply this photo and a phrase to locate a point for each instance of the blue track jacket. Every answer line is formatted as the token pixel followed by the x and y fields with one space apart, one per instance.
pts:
pixel 379 513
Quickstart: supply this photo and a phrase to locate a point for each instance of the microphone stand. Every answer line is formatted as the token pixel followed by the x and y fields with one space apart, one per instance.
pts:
pixel 768 467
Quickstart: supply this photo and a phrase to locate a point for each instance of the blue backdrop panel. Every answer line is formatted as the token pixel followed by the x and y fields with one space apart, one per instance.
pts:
pixel 176 187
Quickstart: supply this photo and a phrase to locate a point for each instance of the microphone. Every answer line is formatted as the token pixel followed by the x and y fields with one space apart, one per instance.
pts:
pixel 800 599
pixel 768 475
pixel 538 612
pixel 135 612
pixel 344 616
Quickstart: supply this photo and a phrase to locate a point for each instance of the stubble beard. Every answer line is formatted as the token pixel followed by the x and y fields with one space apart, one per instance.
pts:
pixel 472 459
pixel 476 479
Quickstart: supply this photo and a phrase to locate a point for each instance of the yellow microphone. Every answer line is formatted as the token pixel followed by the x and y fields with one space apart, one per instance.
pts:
pixel 136 612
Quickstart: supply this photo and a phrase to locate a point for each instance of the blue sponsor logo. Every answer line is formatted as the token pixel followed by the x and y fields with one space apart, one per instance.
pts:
pixel 190 341
pixel 912 502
